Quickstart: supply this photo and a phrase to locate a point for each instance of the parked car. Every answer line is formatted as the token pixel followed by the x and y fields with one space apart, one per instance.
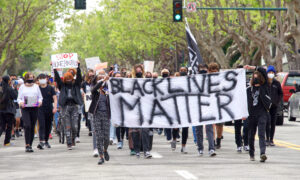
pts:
pixel 287 83
pixel 294 105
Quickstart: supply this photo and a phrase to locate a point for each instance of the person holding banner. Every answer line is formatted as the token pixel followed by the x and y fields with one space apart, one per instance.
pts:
pixel 69 99
pixel 259 103
pixel 101 117
pixel 140 135
pixel 29 99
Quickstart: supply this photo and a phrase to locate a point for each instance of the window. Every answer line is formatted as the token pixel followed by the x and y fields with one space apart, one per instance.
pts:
pixel 291 79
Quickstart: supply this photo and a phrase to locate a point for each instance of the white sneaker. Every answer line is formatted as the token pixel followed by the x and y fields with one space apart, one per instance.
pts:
pixel 200 153
pixel 212 153
pixel 239 149
pixel 183 150
pixel 246 148
pixel 77 140
pixel 95 154
pixel 35 135
pixel 173 145
pixel 148 155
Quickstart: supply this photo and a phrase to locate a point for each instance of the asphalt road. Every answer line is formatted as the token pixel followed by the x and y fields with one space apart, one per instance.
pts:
pixel 59 163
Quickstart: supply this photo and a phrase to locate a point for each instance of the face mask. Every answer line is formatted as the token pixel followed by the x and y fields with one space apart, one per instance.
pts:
pixel 255 81
pixel 183 73
pixel 29 81
pixel 69 82
pixel 165 75
pixel 43 81
pixel 202 72
pixel 271 75
pixel 139 74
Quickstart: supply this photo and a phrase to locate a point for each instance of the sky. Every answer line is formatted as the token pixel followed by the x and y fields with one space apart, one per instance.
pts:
pixel 91 5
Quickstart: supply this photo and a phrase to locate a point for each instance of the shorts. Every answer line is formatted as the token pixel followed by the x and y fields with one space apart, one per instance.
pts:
pixel 18 113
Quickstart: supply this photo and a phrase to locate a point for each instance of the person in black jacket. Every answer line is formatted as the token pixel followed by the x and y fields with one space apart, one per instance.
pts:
pixel 101 117
pixel 259 104
pixel 276 96
pixel 69 99
pixel 7 109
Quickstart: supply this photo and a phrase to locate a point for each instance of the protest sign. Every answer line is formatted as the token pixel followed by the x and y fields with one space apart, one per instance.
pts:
pixel 65 60
pixel 92 62
pixel 179 102
pixel 31 101
pixel 100 66
pixel 149 66
pixel 87 101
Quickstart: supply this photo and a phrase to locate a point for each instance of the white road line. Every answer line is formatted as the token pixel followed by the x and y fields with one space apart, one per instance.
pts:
pixel 156 155
pixel 186 174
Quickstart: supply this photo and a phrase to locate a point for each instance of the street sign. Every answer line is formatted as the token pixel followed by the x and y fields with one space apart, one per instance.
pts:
pixel 191 7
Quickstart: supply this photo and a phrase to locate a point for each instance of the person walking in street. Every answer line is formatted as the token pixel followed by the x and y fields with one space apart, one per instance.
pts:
pixel 259 103
pixel 69 99
pixel 276 96
pixel 46 111
pixel 7 109
pixel 29 99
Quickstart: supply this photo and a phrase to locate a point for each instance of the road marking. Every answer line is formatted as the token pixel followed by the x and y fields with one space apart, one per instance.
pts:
pixel 156 155
pixel 276 142
pixel 185 174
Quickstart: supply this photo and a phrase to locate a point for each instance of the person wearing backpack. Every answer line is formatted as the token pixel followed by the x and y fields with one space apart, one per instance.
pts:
pixel 7 109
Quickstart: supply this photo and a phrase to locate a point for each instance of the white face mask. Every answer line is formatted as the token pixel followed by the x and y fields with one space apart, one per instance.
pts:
pixel 43 81
pixel 271 75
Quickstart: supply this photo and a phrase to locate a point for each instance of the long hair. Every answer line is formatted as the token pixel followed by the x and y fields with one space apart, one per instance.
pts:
pixel 260 78
pixel 133 73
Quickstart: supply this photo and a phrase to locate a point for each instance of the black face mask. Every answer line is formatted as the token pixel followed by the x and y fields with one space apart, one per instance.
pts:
pixel 139 75
pixel 183 73
pixel 202 72
pixel 29 81
pixel 69 82
pixel 165 75
pixel 255 81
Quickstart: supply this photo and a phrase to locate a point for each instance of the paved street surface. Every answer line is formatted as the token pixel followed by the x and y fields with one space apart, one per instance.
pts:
pixel 59 163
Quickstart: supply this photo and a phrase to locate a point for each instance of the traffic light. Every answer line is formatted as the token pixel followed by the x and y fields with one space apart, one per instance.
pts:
pixel 177 10
pixel 80 4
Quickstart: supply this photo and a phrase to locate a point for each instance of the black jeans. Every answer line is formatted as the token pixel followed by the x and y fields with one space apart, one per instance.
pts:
pixel 239 139
pixel 271 124
pixel 45 118
pixel 79 125
pixel 171 133
pixel 258 122
pixel 29 116
pixel 87 121
pixel 120 132
pixel 6 122
pixel 140 138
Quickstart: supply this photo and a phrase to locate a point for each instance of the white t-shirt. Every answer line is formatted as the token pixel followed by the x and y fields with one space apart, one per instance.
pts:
pixel 30 96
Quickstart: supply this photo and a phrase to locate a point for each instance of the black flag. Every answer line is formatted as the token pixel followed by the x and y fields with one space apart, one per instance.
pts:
pixel 194 52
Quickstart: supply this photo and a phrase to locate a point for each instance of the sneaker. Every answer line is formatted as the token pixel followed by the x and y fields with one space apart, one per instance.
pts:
pixel 147 155
pixel 200 152
pixel 30 149
pixel 138 155
pixel 69 147
pixel 111 142
pixel 50 136
pixel 267 143
pixel 212 153
pixel 7 144
pixel 27 149
pixel 96 153
pixel 77 140
pixel 13 137
pixel 272 143
pixel 106 156
pixel 35 136
pixel 17 133
pixel 90 133
pixel 246 148
pixel 132 153
pixel 173 145
pixel 263 158
pixel 47 145
pixel 40 146
pixel 183 150
pixel 239 149
pixel 20 132
pixel 120 145
pixel 101 161
pixel 252 158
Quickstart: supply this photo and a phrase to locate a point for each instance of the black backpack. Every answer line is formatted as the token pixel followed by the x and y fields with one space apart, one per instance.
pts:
pixel 3 97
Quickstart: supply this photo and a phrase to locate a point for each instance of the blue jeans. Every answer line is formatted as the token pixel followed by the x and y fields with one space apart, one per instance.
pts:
pixel 112 132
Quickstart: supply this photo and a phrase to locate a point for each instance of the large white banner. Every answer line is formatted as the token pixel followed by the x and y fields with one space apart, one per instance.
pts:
pixel 92 62
pixel 64 60
pixel 180 101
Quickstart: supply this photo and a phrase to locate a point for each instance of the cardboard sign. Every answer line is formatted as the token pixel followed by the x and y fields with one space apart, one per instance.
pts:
pixel 65 60
pixel 92 62
pixel 149 66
